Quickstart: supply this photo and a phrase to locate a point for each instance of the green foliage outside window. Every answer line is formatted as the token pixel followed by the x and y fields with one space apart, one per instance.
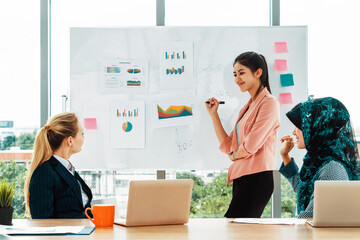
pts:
pixel 212 200
pixel 15 173
pixel 25 141
pixel 209 200
pixel 8 142
pixel 288 199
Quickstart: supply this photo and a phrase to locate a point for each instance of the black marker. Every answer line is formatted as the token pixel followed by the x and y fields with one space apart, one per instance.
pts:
pixel 220 102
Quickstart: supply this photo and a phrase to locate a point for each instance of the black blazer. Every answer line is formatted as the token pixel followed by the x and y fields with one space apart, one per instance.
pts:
pixel 55 193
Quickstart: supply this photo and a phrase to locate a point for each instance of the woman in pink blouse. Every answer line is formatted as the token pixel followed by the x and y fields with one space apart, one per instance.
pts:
pixel 251 145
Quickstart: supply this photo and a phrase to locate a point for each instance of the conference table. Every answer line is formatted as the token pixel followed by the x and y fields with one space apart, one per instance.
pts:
pixel 195 229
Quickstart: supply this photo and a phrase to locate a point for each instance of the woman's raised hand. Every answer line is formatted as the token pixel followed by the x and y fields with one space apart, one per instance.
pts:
pixel 286 148
pixel 212 106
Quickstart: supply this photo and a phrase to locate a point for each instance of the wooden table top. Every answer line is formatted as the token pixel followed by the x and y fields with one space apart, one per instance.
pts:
pixel 196 229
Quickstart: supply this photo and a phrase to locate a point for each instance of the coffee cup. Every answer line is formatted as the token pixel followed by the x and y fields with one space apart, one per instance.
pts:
pixel 103 215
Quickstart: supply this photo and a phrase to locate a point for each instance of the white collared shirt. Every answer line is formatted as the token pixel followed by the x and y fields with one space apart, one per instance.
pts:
pixel 67 165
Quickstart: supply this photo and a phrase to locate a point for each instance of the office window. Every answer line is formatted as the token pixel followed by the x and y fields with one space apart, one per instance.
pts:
pixel 66 14
pixel 88 13
pixel 217 13
pixel 20 91
pixel 333 53
pixel 333 50
pixel 294 12
pixel 20 64
pixel 210 197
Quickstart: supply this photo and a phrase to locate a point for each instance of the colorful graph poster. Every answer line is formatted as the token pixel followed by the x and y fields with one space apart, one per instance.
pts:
pixel 173 112
pixel 127 122
pixel 176 65
pixel 124 76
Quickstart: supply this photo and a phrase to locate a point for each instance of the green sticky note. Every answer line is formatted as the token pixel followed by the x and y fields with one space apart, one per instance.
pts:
pixel 287 80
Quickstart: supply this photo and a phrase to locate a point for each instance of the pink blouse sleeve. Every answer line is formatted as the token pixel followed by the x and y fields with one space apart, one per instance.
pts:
pixel 226 144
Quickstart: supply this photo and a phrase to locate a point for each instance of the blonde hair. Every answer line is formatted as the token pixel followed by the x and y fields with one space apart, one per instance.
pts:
pixel 49 139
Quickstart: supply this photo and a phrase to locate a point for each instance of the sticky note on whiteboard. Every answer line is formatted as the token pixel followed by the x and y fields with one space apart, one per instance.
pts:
pixel 281 47
pixel 287 80
pixel 285 98
pixel 90 123
pixel 280 65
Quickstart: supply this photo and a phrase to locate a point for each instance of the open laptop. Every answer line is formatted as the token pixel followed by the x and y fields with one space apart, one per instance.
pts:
pixel 158 202
pixel 336 204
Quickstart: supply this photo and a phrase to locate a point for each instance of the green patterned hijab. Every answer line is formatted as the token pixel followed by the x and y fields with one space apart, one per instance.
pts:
pixel 328 135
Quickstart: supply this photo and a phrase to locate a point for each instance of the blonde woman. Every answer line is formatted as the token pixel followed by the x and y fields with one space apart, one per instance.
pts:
pixel 53 189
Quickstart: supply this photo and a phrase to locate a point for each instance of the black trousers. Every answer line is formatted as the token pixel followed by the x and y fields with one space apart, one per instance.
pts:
pixel 251 193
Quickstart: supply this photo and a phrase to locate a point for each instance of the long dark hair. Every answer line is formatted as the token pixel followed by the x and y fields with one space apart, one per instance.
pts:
pixel 254 61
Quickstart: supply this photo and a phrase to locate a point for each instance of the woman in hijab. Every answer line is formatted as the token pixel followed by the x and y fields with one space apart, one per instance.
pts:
pixel 323 128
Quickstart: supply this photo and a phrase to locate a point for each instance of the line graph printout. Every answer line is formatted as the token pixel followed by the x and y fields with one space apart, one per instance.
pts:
pixel 176 65
pixel 127 122
pixel 173 112
pixel 124 76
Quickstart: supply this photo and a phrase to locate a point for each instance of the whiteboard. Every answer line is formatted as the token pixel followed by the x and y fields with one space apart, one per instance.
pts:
pixel 190 146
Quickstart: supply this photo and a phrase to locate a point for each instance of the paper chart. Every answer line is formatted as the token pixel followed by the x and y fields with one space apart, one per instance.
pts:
pixel 176 65
pixel 124 76
pixel 127 122
pixel 173 112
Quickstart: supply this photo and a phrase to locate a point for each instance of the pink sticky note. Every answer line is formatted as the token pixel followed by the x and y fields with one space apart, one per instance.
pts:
pixel 90 123
pixel 281 47
pixel 285 98
pixel 280 65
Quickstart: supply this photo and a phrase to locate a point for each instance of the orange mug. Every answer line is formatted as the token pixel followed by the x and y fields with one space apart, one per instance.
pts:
pixel 103 215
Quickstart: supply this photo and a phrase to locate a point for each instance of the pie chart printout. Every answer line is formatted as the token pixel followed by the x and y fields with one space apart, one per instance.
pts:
pixel 127 126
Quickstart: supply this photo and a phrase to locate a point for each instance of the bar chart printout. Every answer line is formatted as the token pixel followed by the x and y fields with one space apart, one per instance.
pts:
pixel 171 55
pixel 176 65
pixel 175 70
pixel 127 113
pixel 127 124
pixel 124 76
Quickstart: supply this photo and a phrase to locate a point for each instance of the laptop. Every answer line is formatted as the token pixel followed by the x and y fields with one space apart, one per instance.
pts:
pixel 336 204
pixel 158 202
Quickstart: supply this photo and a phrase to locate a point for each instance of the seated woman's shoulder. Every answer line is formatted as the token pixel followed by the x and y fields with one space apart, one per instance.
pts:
pixel 44 169
pixel 333 170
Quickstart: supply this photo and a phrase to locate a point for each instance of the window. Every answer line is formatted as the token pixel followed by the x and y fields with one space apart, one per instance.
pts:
pixel 20 91
pixel 333 48
pixel 107 13
pixel 87 13
pixel 217 13
pixel 294 12
pixel 20 65
pixel 210 198
pixel 333 52
pixel 66 14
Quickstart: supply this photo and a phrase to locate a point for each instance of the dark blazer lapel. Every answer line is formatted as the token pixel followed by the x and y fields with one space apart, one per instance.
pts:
pixel 84 186
pixel 67 176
